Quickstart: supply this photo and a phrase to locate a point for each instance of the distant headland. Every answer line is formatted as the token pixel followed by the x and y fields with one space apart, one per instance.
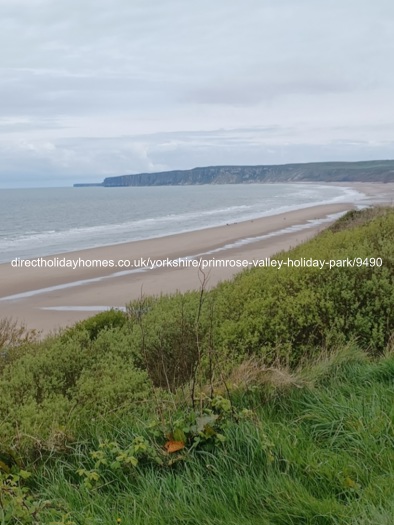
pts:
pixel 364 171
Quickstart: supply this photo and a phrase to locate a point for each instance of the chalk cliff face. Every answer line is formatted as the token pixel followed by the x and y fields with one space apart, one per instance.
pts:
pixel 371 171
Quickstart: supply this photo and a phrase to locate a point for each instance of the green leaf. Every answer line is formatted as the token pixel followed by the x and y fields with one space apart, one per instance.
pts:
pixel 203 421
pixel 179 435
pixel 4 467
pixel 131 460
pixel 94 476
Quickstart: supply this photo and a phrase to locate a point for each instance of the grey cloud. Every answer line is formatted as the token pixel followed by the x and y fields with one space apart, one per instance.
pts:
pixel 23 125
pixel 231 92
pixel 71 158
pixel 90 88
pixel 26 92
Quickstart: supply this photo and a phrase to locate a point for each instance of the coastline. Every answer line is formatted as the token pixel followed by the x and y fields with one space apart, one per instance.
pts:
pixel 53 298
pixel 91 235
pixel 76 294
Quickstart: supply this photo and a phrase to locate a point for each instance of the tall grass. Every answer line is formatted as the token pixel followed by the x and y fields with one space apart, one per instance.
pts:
pixel 318 454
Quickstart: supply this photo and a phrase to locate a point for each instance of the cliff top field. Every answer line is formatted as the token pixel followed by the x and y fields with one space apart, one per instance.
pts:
pixel 365 171
pixel 265 400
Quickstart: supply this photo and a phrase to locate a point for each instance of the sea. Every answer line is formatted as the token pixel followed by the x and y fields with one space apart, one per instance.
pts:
pixel 46 221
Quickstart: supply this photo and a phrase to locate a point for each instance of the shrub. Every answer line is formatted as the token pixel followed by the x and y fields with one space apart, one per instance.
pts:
pixel 99 322
pixel 15 338
pixel 293 312
pixel 66 379
pixel 166 338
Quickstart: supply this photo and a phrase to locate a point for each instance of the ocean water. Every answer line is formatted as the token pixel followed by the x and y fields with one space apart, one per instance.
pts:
pixel 46 221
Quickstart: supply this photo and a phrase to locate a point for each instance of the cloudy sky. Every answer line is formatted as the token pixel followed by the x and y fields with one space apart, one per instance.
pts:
pixel 94 88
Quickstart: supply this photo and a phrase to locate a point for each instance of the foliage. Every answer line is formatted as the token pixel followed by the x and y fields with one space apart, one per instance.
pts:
pixel 120 417
pixel 184 432
pixel 99 322
pixel 17 505
pixel 321 453
pixel 165 335
pixel 67 384
pixel 293 312
pixel 15 338
pixel 111 459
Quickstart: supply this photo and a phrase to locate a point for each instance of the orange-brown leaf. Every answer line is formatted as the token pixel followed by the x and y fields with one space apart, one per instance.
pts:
pixel 174 446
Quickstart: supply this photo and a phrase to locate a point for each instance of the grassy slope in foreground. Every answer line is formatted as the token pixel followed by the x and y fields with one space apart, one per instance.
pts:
pixel 298 428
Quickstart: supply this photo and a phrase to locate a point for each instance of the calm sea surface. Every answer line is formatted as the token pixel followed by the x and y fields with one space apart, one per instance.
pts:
pixel 45 221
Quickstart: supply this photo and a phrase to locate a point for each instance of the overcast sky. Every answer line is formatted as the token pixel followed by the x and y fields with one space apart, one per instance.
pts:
pixel 94 88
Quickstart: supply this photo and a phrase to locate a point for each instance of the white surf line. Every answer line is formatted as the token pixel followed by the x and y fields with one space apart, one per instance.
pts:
pixel 290 229
pixel 349 195
pixel 73 284
pixel 83 308
pixel 242 242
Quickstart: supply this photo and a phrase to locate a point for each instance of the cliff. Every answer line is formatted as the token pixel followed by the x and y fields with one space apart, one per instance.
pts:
pixel 370 171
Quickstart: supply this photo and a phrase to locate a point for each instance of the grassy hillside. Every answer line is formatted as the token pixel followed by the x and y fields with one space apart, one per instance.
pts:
pixel 266 400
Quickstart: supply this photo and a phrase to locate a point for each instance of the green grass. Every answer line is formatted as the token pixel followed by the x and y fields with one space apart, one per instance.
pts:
pixel 319 454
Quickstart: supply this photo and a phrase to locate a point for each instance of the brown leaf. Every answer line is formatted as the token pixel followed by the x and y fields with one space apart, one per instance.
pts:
pixel 174 446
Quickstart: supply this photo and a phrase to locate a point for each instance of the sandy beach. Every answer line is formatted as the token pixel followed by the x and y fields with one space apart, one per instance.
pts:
pixel 48 298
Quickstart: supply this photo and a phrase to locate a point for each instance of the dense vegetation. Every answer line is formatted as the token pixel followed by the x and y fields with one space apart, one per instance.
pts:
pixel 269 399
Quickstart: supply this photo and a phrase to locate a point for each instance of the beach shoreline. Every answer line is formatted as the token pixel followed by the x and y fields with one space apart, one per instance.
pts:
pixel 49 298
pixel 54 239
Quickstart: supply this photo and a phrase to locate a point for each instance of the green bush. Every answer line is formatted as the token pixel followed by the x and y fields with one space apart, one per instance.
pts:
pixel 293 312
pixel 166 335
pixel 99 322
pixel 56 387
pixel 110 386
